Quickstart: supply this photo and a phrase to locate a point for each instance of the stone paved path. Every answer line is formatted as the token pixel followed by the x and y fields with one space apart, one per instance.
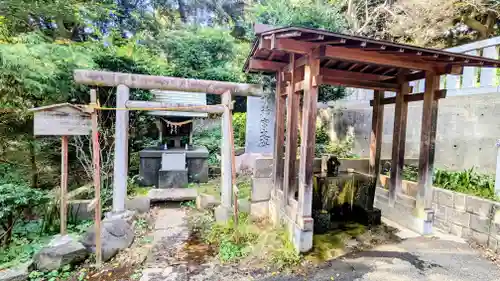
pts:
pixel 414 259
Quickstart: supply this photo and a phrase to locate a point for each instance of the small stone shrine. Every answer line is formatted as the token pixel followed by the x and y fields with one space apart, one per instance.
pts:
pixel 175 161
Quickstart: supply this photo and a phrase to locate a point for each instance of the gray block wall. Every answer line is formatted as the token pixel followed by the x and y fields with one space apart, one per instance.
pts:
pixel 467 129
pixel 468 217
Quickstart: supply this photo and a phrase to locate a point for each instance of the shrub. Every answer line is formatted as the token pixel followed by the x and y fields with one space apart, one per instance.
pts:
pixel 14 199
pixel 239 127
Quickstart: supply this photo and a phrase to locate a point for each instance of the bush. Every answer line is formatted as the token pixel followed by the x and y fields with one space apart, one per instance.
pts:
pixel 239 127
pixel 211 138
pixel 14 199
pixel 466 181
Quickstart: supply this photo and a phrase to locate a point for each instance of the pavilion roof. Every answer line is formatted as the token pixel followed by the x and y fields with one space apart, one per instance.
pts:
pixel 354 57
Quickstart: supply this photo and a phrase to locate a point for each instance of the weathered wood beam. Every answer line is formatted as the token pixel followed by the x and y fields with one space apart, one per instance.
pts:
pixel 307 141
pixel 279 132
pixel 375 145
pixel 149 82
pixel 398 139
pixel 427 145
pixel 440 94
pixel 353 55
pixel 356 83
pixel 292 111
pixel 154 105
pixel 266 65
pixel 326 72
pixel 64 185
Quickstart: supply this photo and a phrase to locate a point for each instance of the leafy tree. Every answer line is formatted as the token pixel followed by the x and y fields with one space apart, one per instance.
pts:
pixel 14 199
pixel 58 19
pixel 305 13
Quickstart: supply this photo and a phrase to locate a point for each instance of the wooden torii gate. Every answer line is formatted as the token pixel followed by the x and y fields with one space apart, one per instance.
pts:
pixel 123 82
pixel 302 59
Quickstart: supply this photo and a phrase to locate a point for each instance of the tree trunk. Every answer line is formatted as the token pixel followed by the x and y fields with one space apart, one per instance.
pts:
pixel 34 167
pixel 182 10
pixel 8 231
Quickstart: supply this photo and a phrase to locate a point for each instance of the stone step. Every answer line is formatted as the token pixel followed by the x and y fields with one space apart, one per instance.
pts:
pixel 172 194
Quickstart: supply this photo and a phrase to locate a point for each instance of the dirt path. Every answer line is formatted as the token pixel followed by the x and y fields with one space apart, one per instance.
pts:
pixel 176 256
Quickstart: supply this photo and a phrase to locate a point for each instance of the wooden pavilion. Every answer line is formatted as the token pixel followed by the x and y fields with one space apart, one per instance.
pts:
pixel 303 59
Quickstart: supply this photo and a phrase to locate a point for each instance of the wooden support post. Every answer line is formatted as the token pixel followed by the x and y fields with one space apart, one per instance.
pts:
pixel 64 184
pixel 97 177
pixel 307 140
pixel 427 143
pixel 399 139
pixel 375 144
pixel 279 133
pixel 120 172
pixel 292 111
pixel 226 184
pixel 234 188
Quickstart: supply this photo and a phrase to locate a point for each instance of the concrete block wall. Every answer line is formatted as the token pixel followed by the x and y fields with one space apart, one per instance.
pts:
pixel 463 215
pixel 468 217
pixel 467 129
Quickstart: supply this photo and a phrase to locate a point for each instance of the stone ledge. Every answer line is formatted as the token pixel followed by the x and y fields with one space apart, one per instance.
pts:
pixel 172 195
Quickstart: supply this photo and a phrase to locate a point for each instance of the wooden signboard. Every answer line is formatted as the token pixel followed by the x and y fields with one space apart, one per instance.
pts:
pixel 61 120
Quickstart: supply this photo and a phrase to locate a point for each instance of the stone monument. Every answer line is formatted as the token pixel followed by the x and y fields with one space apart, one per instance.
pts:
pixel 259 138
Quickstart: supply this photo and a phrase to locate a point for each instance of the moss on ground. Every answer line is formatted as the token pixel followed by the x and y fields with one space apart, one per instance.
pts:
pixel 212 187
pixel 332 244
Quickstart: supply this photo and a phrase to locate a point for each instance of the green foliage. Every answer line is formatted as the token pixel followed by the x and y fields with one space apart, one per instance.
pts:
pixel 14 199
pixel 304 13
pixel 11 174
pixel 239 128
pixel 30 236
pixel 340 148
pixel 189 204
pixel 285 256
pixel 211 138
pixel 63 273
pixel 232 240
pixel 467 181
pixel 134 189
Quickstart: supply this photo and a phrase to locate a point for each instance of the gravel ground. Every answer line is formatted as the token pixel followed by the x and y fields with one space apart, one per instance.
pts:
pixel 414 259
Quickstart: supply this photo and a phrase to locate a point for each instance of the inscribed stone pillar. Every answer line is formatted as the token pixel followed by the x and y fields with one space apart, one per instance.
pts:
pixel 260 125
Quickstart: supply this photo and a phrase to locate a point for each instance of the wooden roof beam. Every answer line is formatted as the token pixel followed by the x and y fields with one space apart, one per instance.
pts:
pixel 440 94
pixel 357 55
pixel 266 65
pixel 326 72
pixel 337 81
pixel 150 82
